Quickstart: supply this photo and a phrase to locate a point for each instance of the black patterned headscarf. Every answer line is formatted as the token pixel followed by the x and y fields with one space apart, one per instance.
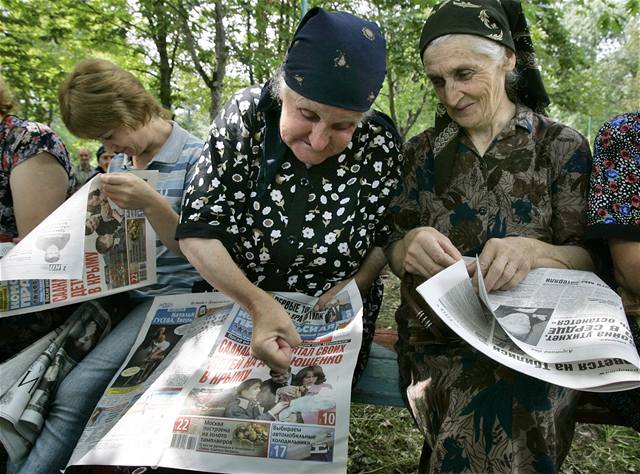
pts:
pixel 336 59
pixel 502 21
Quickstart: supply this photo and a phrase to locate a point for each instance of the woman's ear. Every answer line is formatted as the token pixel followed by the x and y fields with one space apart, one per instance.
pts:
pixel 509 60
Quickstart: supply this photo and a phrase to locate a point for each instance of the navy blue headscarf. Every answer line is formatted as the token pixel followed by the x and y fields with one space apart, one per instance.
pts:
pixel 336 59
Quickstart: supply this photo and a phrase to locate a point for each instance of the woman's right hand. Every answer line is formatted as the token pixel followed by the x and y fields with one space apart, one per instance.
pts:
pixel 427 252
pixel 274 335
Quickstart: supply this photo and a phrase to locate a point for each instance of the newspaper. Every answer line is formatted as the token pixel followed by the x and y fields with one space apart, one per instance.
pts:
pixel 30 380
pixel 566 327
pixel 176 402
pixel 87 248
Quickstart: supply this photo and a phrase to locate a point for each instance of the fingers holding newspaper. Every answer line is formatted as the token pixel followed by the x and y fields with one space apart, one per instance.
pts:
pixel 128 191
pixel 505 262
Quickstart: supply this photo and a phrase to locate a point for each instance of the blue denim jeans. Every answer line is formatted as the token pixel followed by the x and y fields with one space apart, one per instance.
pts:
pixel 78 395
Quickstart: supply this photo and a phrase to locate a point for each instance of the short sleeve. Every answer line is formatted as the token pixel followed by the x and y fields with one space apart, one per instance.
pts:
pixel 223 176
pixel 614 194
pixel 32 138
pixel 386 159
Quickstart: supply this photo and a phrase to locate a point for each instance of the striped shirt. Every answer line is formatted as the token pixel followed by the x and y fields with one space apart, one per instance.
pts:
pixel 174 162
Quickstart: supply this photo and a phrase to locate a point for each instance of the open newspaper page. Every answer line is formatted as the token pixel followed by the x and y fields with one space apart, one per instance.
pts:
pixel 557 315
pixel 210 406
pixel 451 296
pixel 87 248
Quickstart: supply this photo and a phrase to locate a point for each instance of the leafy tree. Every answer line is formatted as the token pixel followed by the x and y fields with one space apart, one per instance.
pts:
pixel 41 40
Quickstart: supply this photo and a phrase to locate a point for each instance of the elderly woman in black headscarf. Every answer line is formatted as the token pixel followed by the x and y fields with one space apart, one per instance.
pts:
pixel 496 178
pixel 292 188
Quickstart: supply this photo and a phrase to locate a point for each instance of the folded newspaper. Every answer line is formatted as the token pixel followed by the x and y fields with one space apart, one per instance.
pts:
pixel 87 248
pixel 191 396
pixel 30 379
pixel 566 327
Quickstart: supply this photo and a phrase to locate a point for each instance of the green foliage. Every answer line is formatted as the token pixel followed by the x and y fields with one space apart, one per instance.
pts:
pixel 41 40
pixel 587 51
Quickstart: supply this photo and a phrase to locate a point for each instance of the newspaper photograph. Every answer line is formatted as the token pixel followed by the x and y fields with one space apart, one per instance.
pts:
pixel 87 248
pixel 566 327
pixel 192 396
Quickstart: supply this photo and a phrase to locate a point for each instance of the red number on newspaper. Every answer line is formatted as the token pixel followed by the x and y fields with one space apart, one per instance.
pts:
pixel 133 276
pixel 327 418
pixel 182 424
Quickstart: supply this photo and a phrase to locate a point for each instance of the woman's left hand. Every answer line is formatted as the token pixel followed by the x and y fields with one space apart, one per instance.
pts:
pixel 505 262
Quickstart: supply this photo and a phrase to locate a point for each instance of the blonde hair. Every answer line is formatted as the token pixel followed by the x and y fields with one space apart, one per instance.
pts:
pixel 6 99
pixel 98 96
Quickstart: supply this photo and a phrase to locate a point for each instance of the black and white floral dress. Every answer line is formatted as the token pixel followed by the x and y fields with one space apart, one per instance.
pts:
pixel 290 227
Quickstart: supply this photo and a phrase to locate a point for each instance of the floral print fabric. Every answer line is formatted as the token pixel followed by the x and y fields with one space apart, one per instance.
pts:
pixel 614 200
pixel 309 228
pixel 476 415
pixel 19 141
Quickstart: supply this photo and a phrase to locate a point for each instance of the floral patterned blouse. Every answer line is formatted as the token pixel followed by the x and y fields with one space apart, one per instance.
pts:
pixel 614 198
pixel 289 227
pixel 19 141
pixel 531 182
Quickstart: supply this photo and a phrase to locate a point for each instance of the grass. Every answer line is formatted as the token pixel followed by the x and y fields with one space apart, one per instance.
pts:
pixel 385 440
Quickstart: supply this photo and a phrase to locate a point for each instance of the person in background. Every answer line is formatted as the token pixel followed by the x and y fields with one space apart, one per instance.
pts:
pixel 132 124
pixel 496 178
pixel 613 228
pixel 104 160
pixel 36 176
pixel 292 188
pixel 83 170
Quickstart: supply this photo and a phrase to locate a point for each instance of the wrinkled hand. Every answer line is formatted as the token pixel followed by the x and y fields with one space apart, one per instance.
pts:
pixel 328 298
pixel 127 190
pixel 505 262
pixel 428 252
pixel 274 335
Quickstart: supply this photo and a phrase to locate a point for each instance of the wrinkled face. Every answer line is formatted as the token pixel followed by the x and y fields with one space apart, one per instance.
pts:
pixel 470 85
pixel 126 140
pixel 315 131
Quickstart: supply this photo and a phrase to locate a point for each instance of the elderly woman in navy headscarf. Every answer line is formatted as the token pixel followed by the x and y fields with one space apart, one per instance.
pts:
pixel 293 186
pixel 496 178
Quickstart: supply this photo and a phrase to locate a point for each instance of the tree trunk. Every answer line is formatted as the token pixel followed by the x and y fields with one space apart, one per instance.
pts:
pixel 221 60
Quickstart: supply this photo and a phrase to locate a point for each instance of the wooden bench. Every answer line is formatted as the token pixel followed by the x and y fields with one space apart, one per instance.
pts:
pixel 380 385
